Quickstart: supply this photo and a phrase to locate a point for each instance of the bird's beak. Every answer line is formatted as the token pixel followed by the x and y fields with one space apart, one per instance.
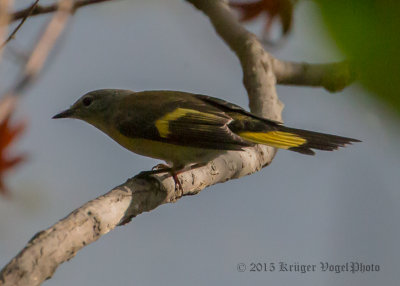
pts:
pixel 65 114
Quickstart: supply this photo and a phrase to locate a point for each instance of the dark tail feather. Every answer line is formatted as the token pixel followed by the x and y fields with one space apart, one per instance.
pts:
pixel 315 140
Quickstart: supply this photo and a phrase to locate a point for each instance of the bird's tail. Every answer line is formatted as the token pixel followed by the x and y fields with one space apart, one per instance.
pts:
pixel 297 140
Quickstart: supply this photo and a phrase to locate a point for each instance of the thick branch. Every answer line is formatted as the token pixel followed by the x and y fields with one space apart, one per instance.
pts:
pixel 333 76
pixel 48 249
pixel 258 77
pixel 59 243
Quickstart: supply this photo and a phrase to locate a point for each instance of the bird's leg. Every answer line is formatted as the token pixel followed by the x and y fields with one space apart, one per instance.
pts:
pixel 176 180
pixel 162 168
pixel 174 172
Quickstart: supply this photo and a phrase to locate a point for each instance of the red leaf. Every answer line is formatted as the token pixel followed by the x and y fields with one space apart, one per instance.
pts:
pixel 282 9
pixel 8 136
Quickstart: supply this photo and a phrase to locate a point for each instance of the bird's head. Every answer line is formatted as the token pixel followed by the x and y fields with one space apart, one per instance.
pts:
pixel 94 107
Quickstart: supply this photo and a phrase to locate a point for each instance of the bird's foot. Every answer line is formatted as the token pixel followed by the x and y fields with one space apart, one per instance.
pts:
pixel 174 174
pixel 162 168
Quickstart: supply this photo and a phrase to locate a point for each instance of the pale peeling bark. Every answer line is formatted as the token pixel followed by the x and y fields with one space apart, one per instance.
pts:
pixel 59 243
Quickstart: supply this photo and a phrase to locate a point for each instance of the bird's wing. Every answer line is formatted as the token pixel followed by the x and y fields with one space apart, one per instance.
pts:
pixel 186 122
pixel 264 131
pixel 233 109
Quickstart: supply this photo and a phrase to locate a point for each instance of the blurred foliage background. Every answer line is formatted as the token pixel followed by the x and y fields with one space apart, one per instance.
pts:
pixel 368 33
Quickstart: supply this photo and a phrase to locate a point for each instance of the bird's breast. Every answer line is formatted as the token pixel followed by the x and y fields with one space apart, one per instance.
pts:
pixel 178 155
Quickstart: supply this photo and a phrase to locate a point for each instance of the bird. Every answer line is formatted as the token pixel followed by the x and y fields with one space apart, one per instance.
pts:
pixel 188 130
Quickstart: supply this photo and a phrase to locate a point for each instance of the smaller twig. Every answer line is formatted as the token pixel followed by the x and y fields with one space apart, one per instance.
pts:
pixel 38 10
pixel 4 19
pixel 49 38
pixel 39 54
pixel 12 35
pixel 332 76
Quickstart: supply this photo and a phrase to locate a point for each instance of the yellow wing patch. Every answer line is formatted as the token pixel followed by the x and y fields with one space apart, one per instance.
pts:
pixel 278 139
pixel 163 123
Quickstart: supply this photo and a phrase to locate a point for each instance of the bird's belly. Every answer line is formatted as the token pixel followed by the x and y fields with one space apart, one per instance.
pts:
pixel 178 155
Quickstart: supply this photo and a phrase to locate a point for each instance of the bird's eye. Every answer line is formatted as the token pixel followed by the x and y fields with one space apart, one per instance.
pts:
pixel 87 101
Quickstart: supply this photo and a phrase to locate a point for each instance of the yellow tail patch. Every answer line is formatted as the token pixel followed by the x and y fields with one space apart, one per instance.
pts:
pixel 278 139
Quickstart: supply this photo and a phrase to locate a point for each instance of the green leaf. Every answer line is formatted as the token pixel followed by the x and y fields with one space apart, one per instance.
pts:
pixel 368 32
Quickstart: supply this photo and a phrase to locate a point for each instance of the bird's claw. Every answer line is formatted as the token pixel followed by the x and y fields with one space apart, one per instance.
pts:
pixel 160 167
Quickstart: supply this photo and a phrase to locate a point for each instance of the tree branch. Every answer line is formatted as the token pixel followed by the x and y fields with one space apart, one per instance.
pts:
pixel 38 56
pixel 333 76
pixel 50 8
pixel 11 36
pixel 36 9
pixel 5 5
pixel 49 248
pixel 258 77
pixel 59 243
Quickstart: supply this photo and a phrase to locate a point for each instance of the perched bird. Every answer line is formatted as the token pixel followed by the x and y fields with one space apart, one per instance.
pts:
pixel 188 130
